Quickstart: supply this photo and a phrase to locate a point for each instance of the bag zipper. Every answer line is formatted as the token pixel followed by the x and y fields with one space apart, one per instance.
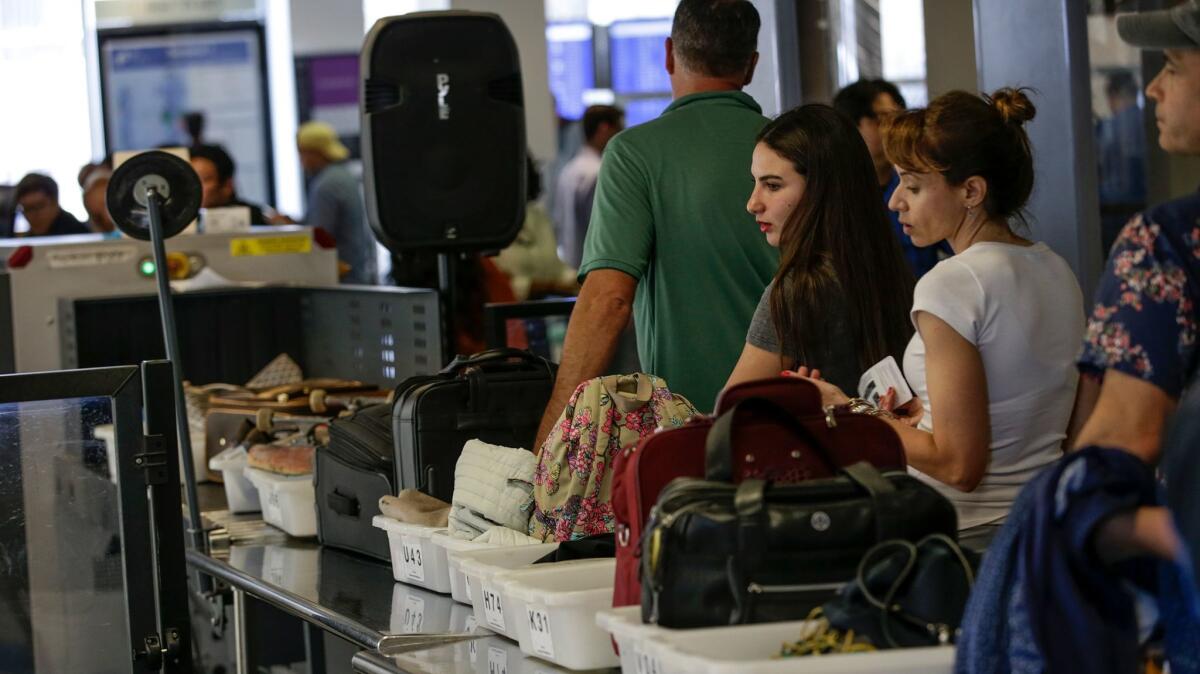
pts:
pixel 757 588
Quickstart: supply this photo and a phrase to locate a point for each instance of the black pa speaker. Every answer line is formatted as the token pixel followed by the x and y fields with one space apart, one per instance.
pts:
pixel 443 132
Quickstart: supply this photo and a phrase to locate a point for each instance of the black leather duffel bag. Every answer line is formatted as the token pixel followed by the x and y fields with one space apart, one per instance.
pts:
pixel 716 553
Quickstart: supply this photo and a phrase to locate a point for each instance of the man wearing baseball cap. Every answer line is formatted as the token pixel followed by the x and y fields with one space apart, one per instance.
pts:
pixel 1141 349
pixel 335 201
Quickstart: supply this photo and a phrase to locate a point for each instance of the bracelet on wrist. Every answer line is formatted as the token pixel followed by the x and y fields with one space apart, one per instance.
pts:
pixel 860 406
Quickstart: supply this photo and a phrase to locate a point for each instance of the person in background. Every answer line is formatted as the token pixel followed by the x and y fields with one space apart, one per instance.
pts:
pixel 841 297
pixel 1121 146
pixel 866 103
pixel 335 200
pixel 477 282
pixel 669 225
pixel 1140 354
pixel 576 186
pixel 93 181
pixel 998 324
pixel 37 200
pixel 216 170
pixel 532 261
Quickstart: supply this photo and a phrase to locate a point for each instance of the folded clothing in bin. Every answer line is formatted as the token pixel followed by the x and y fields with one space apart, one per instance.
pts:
pixel 493 486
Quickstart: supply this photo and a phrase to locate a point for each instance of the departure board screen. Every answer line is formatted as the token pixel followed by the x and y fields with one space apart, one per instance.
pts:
pixel 637 55
pixel 572 69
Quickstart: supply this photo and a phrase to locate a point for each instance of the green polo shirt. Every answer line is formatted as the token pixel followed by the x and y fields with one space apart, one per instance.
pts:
pixel 670 210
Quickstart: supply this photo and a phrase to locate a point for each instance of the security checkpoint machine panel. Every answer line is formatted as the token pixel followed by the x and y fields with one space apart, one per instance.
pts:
pixel 37 274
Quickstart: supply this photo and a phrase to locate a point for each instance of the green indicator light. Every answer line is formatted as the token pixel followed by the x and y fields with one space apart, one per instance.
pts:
pixel 147 268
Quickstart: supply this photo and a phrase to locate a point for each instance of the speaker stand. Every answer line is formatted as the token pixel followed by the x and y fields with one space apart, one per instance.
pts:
pixel 448 296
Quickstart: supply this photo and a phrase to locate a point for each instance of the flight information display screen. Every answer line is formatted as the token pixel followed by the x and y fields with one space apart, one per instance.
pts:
pixel 572 68
pixel 637 56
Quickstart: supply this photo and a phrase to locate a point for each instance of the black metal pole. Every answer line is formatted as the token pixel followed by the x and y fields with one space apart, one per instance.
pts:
pixel 447 296
pixel 171 340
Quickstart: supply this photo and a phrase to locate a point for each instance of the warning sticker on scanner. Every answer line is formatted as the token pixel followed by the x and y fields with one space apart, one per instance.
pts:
pixel 271 245
pixel 59 259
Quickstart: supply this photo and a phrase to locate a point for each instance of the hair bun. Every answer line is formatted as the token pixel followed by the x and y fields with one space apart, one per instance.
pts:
pixel 1013 105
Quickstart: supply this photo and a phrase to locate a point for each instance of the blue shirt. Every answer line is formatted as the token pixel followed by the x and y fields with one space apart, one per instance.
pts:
pixel 335 204
pixel 1144 320
pixel 920 259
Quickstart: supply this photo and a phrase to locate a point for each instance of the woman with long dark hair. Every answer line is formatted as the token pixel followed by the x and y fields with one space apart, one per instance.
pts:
pixel 841 297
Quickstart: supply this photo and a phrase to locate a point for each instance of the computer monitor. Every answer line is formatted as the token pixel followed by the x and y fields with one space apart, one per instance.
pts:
pixel 151 76
pixel 541 327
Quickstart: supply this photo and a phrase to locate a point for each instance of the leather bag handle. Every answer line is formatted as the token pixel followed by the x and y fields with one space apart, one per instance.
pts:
pixel 718 449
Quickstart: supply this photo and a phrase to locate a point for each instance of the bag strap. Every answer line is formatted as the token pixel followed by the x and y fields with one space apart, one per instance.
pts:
pixel 889 605
pixel 883 493
pixel 750 505
pixel 718 449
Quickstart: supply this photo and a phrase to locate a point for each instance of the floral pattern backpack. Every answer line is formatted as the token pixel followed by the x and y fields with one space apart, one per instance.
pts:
pixel 572 483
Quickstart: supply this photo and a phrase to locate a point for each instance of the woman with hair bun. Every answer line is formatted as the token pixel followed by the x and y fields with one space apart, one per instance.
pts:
pixel 998 325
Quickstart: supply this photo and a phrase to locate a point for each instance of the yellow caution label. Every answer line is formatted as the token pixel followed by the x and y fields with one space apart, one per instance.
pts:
pixel 271 245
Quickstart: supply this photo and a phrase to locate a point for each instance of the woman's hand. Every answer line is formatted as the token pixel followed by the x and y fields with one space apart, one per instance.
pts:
pixel 909 413
pixel 830 394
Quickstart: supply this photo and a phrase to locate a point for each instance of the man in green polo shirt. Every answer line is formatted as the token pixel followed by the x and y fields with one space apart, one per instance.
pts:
pixel 669 222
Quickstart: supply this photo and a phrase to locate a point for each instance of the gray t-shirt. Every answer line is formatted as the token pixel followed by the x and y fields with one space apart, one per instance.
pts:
pixel 834 355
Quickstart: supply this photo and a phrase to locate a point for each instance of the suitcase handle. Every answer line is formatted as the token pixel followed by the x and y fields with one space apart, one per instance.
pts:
pixel 342 505
pixel 462 362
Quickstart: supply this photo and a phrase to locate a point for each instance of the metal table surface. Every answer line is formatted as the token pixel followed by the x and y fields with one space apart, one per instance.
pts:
pixel 492 655
pixel 353 597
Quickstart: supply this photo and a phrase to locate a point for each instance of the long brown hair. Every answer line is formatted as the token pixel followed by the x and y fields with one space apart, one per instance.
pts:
pixel 838 241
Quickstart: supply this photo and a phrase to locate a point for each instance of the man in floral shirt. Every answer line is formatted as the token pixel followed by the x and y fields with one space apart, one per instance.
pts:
pixel 1140 350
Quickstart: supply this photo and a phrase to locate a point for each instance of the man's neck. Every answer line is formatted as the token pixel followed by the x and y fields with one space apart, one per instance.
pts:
pixel 686 84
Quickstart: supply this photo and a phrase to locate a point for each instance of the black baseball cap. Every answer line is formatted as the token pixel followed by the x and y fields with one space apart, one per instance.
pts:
pixel 1175 28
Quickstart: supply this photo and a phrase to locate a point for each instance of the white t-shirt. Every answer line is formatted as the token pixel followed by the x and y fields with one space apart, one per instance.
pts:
pixel 1022 308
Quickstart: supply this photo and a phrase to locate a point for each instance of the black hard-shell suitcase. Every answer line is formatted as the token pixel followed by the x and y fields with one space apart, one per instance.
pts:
pixel 497 396
pixel 351 473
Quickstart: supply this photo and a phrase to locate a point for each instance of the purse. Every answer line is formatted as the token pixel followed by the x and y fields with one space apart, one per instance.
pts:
pixel 906 594
pixel 716 553
pixel 754 443
pixel 572 484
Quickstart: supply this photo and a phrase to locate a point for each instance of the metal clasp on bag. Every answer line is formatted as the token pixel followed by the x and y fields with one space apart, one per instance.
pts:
pixel 830 419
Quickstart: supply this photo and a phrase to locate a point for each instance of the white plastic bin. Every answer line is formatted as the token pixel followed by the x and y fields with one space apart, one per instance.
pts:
pixel 287 502
pixel 453 546
pixel 627 629
pixel 751 649
pixel 555 607
pixel 415 559
pixel 240 493
pixel 480 568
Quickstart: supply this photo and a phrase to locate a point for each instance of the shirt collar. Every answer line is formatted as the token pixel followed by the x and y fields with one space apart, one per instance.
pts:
pixel 719 97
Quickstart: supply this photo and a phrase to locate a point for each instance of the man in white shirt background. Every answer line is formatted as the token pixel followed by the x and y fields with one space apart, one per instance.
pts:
pixel 577 183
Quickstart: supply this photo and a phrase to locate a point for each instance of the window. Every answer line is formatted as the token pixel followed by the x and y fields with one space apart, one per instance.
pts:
pixel 44 124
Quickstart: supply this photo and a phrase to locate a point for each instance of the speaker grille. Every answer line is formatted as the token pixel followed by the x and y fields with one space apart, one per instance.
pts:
pixel 380 95
pixel 507 89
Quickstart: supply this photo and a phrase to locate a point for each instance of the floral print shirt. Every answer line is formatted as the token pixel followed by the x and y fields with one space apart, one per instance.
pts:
pixel 1144 320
